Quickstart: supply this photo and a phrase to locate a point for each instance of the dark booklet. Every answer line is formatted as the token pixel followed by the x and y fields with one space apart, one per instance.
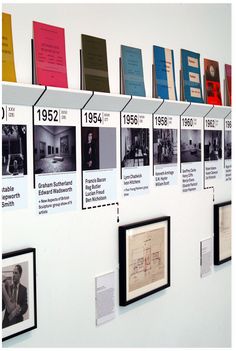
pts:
pixel 94 64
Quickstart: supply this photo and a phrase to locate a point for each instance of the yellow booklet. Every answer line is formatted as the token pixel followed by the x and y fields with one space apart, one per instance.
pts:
pixel 8 65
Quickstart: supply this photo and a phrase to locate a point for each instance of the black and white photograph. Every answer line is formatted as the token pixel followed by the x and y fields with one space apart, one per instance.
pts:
pixel 212 145
pixel 14 150
pixel 228 143
pixel 18 292
pixel 135 147
pixel 164 146
pixel 190 145
pixel 54 149
pixel 98 148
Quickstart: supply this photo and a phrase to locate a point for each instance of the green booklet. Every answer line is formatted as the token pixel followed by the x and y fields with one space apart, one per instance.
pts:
pixel 94 64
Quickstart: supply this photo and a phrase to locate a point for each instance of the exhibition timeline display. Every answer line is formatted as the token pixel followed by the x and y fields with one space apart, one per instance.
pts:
pixel 57 141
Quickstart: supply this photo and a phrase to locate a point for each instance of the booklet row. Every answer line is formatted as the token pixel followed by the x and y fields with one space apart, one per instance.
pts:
pixel 50 69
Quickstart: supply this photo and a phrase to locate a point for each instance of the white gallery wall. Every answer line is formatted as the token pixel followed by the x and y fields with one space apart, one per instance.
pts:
pixel 73 248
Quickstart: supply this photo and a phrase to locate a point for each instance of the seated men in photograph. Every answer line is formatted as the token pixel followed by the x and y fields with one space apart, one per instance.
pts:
pixel 14 299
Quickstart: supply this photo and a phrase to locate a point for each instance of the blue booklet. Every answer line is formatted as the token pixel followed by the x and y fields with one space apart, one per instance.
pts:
pixel 164 80
pixel 132 71
pixel 191 76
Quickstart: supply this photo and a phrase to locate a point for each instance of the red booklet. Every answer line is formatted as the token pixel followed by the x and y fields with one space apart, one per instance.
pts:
pixel 50 55
pixel 228 84
pixel 212 82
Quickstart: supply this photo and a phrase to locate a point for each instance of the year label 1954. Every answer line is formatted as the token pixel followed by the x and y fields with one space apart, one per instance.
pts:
pixel 228 124
pixel 93 117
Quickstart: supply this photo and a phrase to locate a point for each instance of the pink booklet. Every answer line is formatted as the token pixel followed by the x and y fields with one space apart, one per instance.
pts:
pixel 228 85
pixel 50 55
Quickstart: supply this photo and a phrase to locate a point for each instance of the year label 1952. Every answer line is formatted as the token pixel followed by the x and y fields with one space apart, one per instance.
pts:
pixel 48 115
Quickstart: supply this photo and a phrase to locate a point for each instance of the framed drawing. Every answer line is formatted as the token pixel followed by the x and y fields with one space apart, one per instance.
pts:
pixel 222 232
pixel 19 310
pixel 144 256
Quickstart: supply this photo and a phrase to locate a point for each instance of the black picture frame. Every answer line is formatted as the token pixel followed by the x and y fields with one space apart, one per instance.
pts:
pixel 221 257
pixel 150 237
pixel 16 323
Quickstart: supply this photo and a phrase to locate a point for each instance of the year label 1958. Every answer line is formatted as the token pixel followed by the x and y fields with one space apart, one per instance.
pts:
pixel 160 121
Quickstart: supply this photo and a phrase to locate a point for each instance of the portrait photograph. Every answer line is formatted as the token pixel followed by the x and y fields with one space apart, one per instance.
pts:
pixel 98 148
pixel 144 259
pixel 165 146
pixel 14 150
pixel 212 70
pixel 190 146
pixel 135 147
pixel 228 143
pixel 212 145
pixel 54 149
pixel 18 293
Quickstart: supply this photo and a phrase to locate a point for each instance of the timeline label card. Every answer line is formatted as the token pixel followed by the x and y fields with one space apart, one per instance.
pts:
pixel 213 149
pixel 99 157
pixel 16 126
pixel 135 153
pixel 191 153
pixel 206 257
pixel 227 149
pixel 165 150
pixel 105 298
pixel 55 159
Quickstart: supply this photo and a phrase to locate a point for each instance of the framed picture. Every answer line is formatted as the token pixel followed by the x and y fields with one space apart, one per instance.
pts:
pixel 222 232
pixel 19 310
pixel 144 256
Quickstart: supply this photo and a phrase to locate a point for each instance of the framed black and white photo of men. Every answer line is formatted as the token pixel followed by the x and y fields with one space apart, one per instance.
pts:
pixel 19 309
pixel 144 259
pixel 222 232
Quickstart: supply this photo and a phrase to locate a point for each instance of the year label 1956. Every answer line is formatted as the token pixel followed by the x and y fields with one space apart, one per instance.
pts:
pixel 130 119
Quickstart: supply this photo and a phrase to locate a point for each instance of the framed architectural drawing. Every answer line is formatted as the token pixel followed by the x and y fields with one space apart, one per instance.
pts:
pixel 222 232
pixel 144 257
pixel 19 310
